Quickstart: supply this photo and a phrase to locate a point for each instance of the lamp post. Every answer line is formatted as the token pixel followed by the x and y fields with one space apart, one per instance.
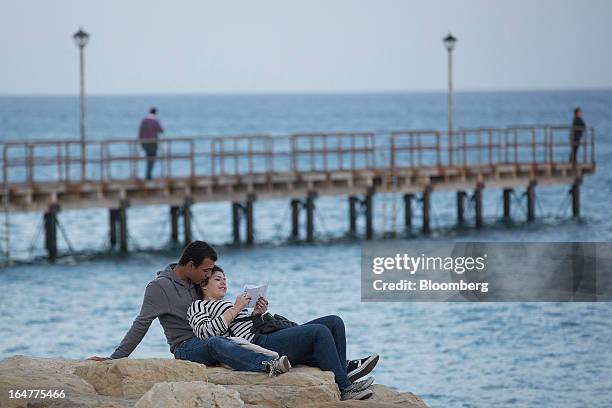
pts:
pixel 449 42
pixel 80 39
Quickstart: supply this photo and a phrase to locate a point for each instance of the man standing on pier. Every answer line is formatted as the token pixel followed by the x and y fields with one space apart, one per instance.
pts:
pixel 168 297
pixel 150 127
pixel 578 127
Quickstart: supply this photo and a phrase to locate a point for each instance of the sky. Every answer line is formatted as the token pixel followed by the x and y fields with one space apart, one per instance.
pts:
pixel 281 46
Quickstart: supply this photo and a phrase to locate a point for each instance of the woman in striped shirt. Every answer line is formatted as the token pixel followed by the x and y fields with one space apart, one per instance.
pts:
pixel 214 316
pixel 321 342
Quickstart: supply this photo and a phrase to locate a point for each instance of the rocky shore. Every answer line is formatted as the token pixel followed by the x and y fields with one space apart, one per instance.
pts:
pixel 169 383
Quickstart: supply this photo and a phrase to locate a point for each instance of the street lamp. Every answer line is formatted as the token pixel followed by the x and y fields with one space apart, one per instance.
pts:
pixel 449 42
pixel 80 39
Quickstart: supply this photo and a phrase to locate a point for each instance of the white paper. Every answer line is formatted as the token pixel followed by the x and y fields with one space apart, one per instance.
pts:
pixel 254 292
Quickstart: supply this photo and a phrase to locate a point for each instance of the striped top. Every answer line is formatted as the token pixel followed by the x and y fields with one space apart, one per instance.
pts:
pixel 206 320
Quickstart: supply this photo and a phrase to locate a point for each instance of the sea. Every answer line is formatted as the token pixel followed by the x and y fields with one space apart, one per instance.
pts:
pixel 449 354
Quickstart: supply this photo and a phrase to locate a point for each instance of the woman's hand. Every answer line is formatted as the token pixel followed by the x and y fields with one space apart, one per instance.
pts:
pixel 241 301
pixel 261 307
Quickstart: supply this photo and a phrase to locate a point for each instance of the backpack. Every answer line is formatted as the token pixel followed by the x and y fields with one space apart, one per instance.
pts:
pixel 267 323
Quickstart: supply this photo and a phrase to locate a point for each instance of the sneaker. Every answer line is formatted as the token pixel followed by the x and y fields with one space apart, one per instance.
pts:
pixel 277 367
pixel 352 394
pixel 363 384
pixel 358 368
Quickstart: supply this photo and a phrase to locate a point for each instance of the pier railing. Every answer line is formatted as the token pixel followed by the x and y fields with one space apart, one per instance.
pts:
pixel 60 161
pixel 470 147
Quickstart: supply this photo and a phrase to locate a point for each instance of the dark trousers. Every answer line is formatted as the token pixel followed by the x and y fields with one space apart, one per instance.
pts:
pixel 215 350
pixel 574 152
pixel 151 153
pixel 320 342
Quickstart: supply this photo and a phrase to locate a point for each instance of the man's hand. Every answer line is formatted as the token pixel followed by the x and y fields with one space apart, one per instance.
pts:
pixel 261 306
pixel 96 358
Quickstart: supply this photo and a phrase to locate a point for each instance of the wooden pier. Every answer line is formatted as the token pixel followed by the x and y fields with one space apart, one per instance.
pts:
pixel 52 175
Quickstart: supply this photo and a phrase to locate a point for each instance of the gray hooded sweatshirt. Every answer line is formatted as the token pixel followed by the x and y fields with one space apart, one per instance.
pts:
pixel 167 298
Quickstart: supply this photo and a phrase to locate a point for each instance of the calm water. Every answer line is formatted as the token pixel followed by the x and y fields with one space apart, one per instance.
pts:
pixel 452 355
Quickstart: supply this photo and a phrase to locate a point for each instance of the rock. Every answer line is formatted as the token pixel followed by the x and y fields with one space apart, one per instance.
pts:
pixel 80 401
pixel 283 396
pixel 385 394
pixel 288 390
pixel 70 401
pixel 298 376
pixel 175 383
pixel 24 373
pixel 21 372
pixel 131 378
pixel 384 397
pixel 193 394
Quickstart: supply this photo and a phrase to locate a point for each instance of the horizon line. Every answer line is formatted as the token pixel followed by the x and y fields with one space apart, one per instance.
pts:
pixel 304 92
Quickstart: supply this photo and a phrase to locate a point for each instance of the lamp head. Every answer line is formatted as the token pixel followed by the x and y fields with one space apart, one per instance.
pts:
pixel 80 38
pixel 449 42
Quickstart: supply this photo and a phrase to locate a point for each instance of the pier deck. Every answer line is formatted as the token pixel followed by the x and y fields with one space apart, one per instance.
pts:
pixel 100 194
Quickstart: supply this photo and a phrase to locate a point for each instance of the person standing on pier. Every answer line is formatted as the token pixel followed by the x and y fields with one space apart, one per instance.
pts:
pixel 578 128
pixel 150 127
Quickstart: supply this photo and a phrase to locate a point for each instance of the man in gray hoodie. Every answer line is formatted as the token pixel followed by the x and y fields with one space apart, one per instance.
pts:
pixel 167 297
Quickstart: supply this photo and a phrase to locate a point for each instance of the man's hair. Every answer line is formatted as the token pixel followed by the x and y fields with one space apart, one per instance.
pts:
pixel 196 252
pixel 577 110
pixel 153 111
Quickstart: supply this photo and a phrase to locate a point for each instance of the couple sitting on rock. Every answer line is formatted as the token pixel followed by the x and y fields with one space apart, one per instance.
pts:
pixel 201 327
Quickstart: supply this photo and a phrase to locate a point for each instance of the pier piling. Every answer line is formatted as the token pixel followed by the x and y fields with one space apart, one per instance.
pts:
pixel 408 211
pixel 353 201
pixel 478 206
pixel 575 191
pixel 113 217
pixel 123 230
pixel 531 201
pixel 310 216
pixel 461 207
pixel 369 214
pixel 507 204
pixel 50 218
pixel 187 215
pixel 295 218
pixel 243 210
pixel 426 208
pixel 236 208
pixel 175 212
pixel 248 210
pixel 365 207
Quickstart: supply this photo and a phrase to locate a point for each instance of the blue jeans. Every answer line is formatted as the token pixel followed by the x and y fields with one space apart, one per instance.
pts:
pixel 215 350
pixel 320 342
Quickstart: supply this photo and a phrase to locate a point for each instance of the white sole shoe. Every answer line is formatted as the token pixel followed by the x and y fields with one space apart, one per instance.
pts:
pixel 364 369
